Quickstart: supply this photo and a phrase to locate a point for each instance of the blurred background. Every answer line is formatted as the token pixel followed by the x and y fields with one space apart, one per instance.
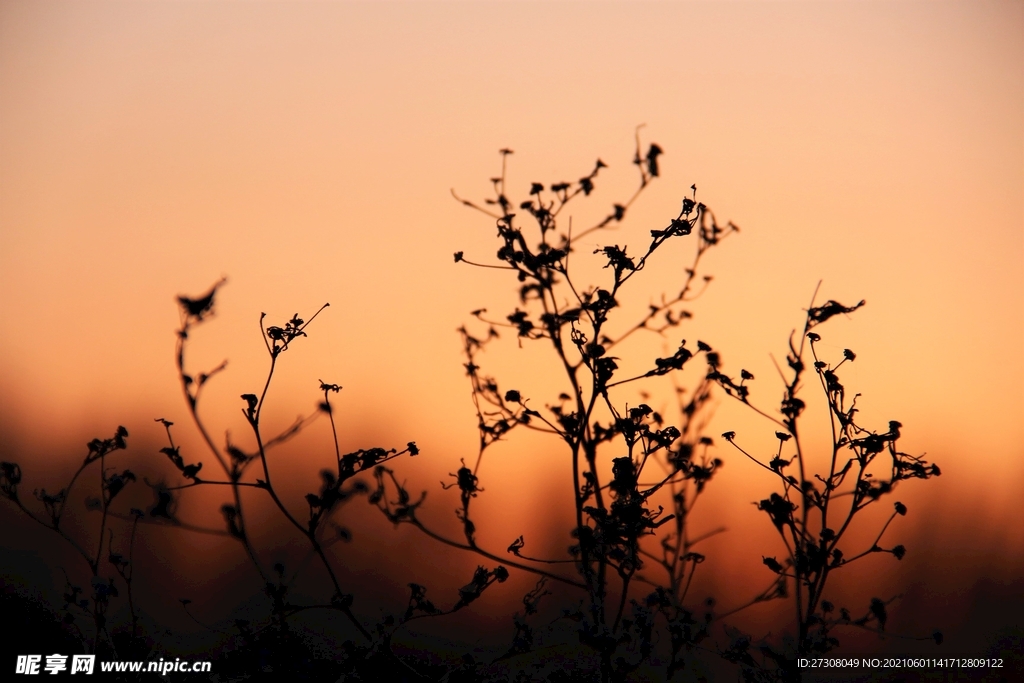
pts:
pixel 307 152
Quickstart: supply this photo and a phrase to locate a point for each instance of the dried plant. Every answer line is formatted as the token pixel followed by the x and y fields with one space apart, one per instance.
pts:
pixel 625 459
pixel 93 603
pixel 636 475
pixel 813 512
pixel 249 469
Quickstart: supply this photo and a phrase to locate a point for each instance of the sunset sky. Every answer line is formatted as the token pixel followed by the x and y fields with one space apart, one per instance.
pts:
pixel 307 152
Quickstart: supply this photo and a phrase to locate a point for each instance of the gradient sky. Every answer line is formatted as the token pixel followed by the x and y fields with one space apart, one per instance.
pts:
pixel 307 152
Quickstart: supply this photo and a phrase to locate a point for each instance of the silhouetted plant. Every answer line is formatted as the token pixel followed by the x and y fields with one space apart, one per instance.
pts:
pixel 813 512
pixel 92 603
pixel 637 475
pixel 338 484
pixel 613 447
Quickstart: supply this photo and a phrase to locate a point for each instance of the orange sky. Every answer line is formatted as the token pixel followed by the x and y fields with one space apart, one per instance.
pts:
pixel 307 152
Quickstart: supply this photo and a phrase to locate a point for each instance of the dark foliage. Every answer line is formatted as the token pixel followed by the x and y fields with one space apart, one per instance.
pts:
pixel 637 475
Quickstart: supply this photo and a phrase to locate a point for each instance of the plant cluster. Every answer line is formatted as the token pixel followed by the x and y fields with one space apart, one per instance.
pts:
pixel 636 474
pixel 103 563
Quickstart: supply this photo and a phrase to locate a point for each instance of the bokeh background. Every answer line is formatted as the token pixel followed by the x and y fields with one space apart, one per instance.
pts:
pixel 307 152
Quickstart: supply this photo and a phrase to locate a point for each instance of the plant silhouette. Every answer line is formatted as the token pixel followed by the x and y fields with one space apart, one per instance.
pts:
pixel 613 496
pixel 636 478
pixel 800 508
